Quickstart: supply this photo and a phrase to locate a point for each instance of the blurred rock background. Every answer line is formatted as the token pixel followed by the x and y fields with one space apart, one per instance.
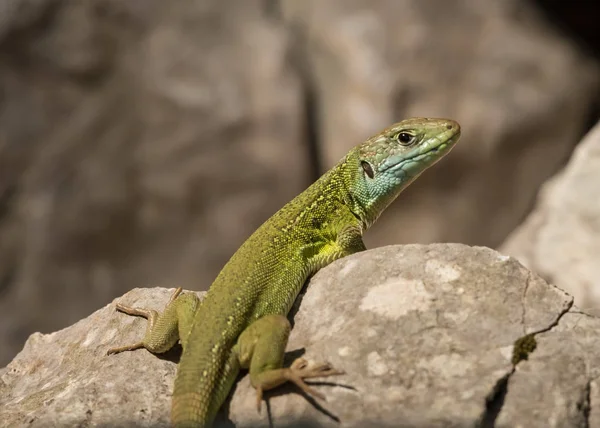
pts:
pixel 141 141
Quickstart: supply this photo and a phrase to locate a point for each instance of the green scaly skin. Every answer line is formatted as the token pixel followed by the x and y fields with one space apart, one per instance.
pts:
pixel 241 323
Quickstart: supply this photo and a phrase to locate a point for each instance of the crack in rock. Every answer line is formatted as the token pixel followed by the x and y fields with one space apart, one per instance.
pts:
pixel 523 305
pixel 495 399
pixel 586 405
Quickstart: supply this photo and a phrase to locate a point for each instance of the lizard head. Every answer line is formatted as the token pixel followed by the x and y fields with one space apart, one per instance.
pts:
pixel 385 164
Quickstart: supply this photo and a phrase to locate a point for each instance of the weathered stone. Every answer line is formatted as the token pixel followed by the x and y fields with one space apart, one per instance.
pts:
pixel 425 334
pixel 57 377
pixel 142 140
pixel 561 238
pixel 553 388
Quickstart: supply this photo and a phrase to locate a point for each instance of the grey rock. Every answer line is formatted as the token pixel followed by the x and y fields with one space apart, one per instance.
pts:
pixel 560 239
pixel 66 379
pixel 557 386
pixel 425 334
pixel 142 141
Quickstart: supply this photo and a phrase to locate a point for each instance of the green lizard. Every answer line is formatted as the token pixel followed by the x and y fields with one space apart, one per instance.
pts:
pixel 242 323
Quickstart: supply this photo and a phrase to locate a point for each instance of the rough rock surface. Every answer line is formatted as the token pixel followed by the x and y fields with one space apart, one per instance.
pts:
pixel 142 141
pixel 425 333
pixel 560 239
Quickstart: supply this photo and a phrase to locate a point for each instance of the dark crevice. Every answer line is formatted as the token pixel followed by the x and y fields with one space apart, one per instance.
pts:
pixel 592 117
pixel 312 130
pixel 300 62
pixel 495 400
pixel 575 20
pixel 7 280
pixel 7 196
pixel 558 318
pixel 37 22
pixel 586 406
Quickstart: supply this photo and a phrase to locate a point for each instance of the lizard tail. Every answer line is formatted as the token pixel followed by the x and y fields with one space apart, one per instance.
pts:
pixel 201 387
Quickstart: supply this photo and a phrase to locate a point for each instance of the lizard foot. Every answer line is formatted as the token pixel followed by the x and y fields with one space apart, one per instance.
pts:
pixel 299 370
pixel 302 369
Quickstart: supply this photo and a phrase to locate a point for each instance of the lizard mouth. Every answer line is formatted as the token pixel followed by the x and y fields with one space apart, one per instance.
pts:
pixel 448 144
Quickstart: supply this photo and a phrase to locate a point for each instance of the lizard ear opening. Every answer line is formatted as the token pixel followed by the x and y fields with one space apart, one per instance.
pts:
pixel 367 168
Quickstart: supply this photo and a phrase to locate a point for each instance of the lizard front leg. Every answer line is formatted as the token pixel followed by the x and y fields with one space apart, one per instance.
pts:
pixel 261 348
pixel 350 240
pixel 164 329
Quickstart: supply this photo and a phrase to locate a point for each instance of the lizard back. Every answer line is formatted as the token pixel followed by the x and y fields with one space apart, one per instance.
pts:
pixel 264 276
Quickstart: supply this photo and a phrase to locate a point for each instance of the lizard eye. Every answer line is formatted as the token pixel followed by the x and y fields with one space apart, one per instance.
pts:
pixel 405 138
pixel 366 166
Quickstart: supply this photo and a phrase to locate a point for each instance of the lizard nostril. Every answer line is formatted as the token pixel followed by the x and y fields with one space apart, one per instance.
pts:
pixel 448 126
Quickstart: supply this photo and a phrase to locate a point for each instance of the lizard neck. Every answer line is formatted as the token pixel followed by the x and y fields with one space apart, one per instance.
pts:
pixel 354 194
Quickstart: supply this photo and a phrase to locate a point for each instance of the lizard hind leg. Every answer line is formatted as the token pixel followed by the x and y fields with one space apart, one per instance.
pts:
pixel 163 329
pixel 261 348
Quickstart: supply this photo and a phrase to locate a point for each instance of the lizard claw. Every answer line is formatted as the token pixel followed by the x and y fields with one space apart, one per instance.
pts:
pixel 301 369
pixel 259 397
